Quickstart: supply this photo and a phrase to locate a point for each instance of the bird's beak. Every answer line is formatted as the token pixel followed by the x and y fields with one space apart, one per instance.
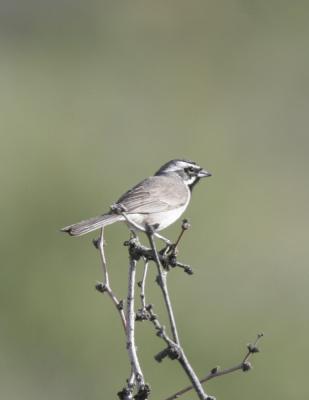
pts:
pixel 203 173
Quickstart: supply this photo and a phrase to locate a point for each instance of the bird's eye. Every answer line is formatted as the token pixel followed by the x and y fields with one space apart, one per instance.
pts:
pixel 190 170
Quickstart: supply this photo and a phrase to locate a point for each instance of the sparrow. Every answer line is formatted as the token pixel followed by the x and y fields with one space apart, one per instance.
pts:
pixel 156 202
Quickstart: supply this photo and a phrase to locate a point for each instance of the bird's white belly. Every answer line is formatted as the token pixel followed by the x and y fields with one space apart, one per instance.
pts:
pixel 159 221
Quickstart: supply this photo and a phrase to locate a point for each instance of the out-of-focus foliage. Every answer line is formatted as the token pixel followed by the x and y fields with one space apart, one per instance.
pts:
pixel 97 95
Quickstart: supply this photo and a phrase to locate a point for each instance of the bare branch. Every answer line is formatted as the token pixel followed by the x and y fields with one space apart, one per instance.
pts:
pixel 142 313
pixel 180 355
pixel 143 282
pixel 104 287
pixel 215 372
pixel 167 258
pixel 130 314
pixel 184 227
pixel 163 285
pixel 164 259
pixel 143 389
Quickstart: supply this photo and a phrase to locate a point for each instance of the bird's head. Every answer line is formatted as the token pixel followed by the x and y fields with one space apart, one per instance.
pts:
pixel 188 171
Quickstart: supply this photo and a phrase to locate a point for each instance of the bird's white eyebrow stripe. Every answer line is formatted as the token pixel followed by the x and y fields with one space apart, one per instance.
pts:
pixel 183 165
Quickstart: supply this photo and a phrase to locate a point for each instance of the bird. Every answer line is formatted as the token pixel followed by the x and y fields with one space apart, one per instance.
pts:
pixel 156 202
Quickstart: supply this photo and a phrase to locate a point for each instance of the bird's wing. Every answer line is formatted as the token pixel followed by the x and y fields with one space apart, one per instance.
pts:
pixel 155 194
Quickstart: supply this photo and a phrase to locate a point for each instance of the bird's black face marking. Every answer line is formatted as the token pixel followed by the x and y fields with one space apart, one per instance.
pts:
pixel 189 173
pixel 192 171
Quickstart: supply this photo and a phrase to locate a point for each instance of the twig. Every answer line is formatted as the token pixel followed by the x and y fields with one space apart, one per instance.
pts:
pixel 142 285
pixel 215 372
pixel 181 355
pixel 184 227
pixel 168 260
pixel 104 287
pixel 172 351
pixel 163 285
pixel 143 389
pixel 131 325
pixel 142 313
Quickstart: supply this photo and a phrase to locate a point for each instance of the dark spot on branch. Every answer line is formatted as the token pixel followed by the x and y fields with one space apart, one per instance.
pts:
pixel 142 315
pixel 252 349
pixel 125 394
pixel 246 366
pixel 185 225
pixel 96 243
pixel 174 353
pixel 215 370
pixel 120 305
pixel 100 287
pixel 160 331
pixel 160 356
pixel 143 392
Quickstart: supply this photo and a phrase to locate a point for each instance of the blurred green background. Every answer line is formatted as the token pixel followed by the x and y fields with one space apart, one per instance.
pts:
pixel 94 97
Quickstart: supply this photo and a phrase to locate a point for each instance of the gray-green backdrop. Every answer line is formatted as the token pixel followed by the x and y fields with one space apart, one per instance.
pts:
pixel 96 95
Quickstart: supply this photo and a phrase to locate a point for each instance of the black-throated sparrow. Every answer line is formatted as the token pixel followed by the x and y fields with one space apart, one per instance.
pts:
pixel 157 201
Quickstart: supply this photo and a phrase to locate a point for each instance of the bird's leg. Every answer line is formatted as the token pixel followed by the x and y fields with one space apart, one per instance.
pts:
pixel 164 239
pixel 169 246
pixel 133 234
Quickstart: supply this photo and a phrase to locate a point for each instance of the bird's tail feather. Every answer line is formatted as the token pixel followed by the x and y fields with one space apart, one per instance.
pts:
pixel 92 224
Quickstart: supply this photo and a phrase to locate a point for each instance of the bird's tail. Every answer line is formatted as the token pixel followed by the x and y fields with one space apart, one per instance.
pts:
pixel 92 224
